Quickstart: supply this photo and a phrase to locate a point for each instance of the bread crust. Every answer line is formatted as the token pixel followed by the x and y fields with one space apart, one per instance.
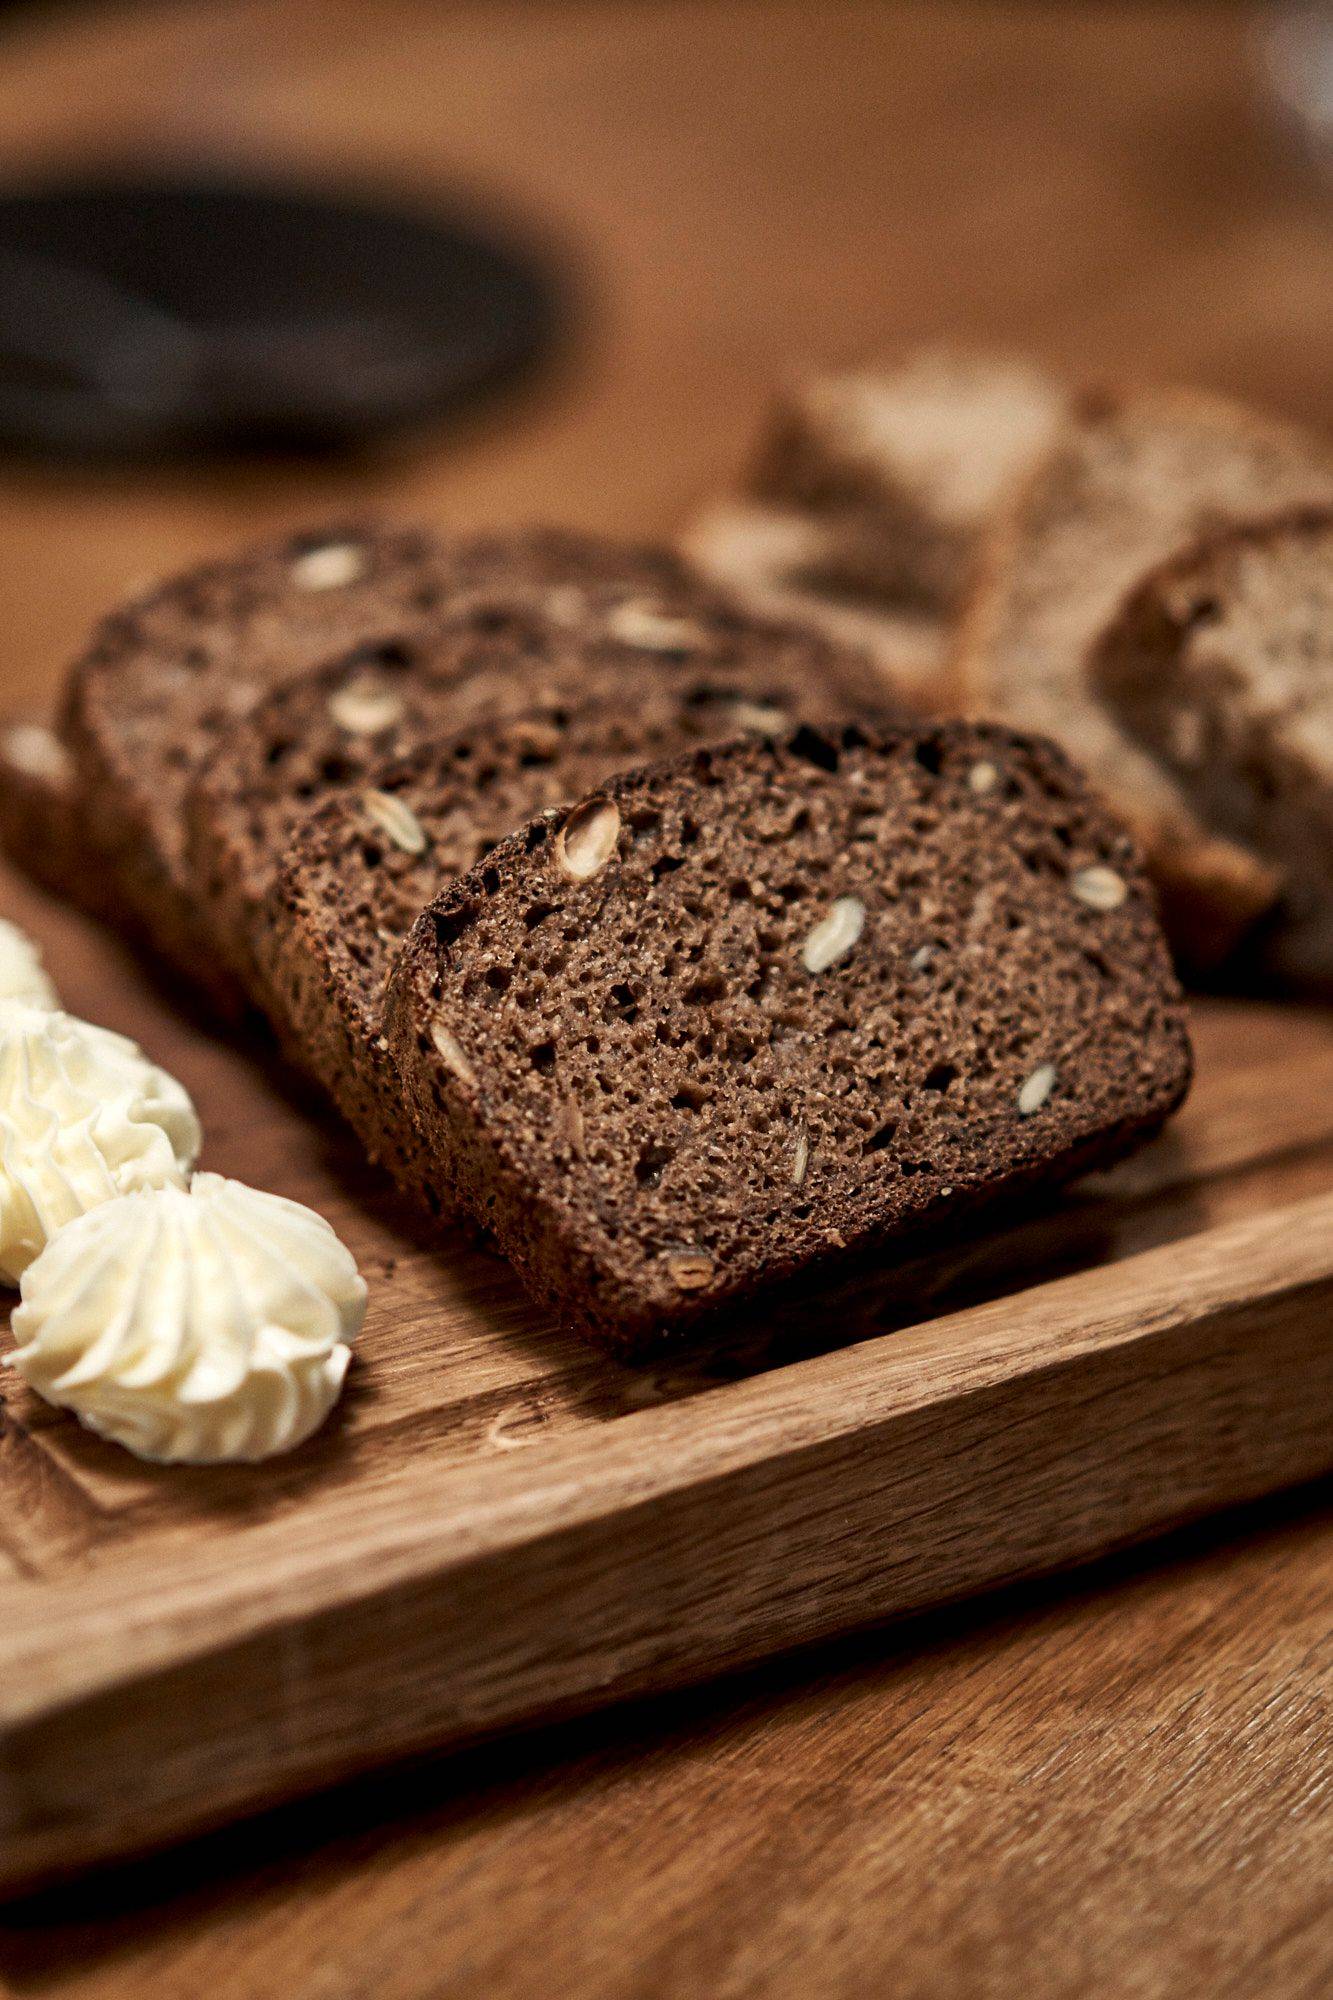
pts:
pixel 163 676
pixel 560 1104
pixel 647 626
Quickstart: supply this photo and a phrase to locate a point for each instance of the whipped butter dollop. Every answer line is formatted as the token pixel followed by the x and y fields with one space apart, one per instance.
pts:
pixel 84 1117
pixel 22 975
pixel 193 1325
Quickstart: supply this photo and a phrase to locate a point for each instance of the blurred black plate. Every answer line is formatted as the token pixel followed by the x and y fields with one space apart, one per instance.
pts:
pixel 192 314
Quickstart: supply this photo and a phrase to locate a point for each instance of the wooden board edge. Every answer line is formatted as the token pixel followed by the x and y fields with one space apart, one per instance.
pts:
pixel 1219 1392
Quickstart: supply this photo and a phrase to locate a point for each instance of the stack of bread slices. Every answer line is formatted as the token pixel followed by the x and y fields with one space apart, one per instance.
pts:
pixel 692 934
pixel 1143 575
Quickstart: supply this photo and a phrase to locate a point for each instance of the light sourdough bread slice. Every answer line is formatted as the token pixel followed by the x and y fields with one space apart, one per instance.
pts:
pixel 739 1015
pixel 866 499
pixel 1133 480
pixel 1221 665
pixel 773 559
pixel 624 638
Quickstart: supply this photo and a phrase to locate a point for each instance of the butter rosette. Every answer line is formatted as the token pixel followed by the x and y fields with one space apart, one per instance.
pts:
pixel 193 1326
pixel 22 974
pixel 84 1117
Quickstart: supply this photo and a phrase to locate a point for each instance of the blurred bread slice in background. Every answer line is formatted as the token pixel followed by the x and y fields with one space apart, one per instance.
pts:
pixel 772 558
pixel 1132 479
pixel 866 498
pixel 978 527
pixel 1220 665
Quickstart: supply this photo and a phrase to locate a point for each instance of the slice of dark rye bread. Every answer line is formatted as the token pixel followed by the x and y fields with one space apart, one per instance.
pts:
pixel 741 1014
pixel 682 650
pixel 168 674
pixel 1134 477
pixel 1221 665
pixel 362 867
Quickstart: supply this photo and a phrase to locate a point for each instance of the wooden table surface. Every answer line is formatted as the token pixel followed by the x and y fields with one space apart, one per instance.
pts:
pixel 1115 1786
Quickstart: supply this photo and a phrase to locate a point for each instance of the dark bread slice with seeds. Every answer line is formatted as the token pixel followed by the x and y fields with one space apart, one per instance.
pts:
pixel 363 866
pixel 742 1014
pixel 1221 666
pixel 679 647
pixel 166 676
pixel 166 673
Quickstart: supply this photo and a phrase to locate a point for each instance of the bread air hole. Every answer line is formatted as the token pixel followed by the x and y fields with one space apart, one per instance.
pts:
pixel 622 1003
pixel 652 1163
pixel 815 749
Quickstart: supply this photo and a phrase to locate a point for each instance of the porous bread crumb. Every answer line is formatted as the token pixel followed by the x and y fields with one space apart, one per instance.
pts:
pixel 673 999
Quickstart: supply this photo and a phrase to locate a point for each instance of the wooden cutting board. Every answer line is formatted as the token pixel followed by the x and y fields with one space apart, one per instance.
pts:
pixel 500 1526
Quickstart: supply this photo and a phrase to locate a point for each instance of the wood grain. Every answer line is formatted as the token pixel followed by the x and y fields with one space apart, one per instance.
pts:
pixel 1044 1429
pixel 1119 1789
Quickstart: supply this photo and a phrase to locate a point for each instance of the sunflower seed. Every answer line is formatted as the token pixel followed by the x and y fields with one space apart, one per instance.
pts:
pixel 758 718
pixel 395 820
pixel 1036 1089
pixel 689 1270
pixel 834 935
pixel 636 624
pixel 364 708
pixel 1100 888
pixel 451 1053
pixel 332 567
pixel 587 840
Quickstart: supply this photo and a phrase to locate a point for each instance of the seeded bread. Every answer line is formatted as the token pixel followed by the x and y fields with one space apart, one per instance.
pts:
pixel 1132 481
pixel 168 675
pixel 1221 665
pixel 740 1014
pixel 864 505
pixel 167 672
pixel 619 641
pixel 363 866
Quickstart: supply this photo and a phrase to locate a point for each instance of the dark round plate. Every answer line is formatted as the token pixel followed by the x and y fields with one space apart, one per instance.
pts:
pixel 204 314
